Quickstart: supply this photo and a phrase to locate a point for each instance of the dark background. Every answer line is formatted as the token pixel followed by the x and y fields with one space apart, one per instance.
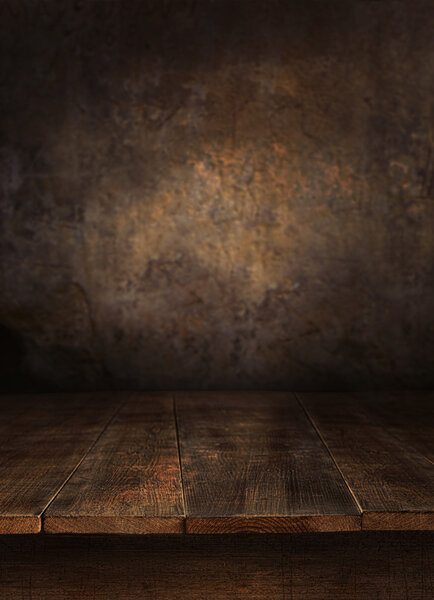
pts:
pixel 217 194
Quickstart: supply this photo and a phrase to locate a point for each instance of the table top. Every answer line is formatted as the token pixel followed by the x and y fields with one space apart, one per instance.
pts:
pixel 216 462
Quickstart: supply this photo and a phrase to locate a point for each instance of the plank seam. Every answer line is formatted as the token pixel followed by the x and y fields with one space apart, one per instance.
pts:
pixel 92 445
pixel 178 445
pixel 311 420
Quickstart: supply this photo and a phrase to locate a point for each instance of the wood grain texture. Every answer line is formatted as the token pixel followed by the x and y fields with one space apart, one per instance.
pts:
pixel 130 482
pixel 330 566
pixel 409 416
pixel 252 462
pixel 270 524
pixel 42 440
pixel 390 479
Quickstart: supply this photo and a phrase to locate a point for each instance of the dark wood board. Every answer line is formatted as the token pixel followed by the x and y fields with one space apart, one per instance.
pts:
pixel 130 482
pixel 409 416
pixel 252 462
pixel 327 566
pixel 42 440
pixel 391 481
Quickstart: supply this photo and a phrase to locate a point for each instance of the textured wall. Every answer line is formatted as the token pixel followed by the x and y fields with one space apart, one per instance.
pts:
pixel 211 194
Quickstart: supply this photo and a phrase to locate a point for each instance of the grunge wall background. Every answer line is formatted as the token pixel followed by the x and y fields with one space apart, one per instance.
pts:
pixel 217 194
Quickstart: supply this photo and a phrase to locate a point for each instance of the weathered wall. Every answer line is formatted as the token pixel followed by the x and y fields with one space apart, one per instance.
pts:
pixel 211 194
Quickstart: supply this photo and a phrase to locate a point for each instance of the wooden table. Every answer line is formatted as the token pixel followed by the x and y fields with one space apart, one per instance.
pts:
pixel 334 490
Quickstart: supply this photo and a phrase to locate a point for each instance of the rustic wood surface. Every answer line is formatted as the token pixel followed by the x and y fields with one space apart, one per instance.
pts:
pixel 407 416
pixel 252 462
pixel 130 482
pixel 338 566
pixel 391 480
pixel 42 440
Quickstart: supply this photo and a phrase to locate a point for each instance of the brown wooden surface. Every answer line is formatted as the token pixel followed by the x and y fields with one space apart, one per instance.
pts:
pixel 42 440
pixel 409 416
pixel 390 479
pixel 130 482
pixel 329 566
pixel 252 462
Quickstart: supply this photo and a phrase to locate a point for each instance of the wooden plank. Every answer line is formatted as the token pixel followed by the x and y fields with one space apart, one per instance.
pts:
pixel 42 440
pixel 391 480
pixel 409 416
pixel 252 462
pixel 130 482
pixel 329 566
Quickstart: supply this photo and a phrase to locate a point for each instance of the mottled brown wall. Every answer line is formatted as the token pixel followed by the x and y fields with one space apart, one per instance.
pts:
pixel 211 194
